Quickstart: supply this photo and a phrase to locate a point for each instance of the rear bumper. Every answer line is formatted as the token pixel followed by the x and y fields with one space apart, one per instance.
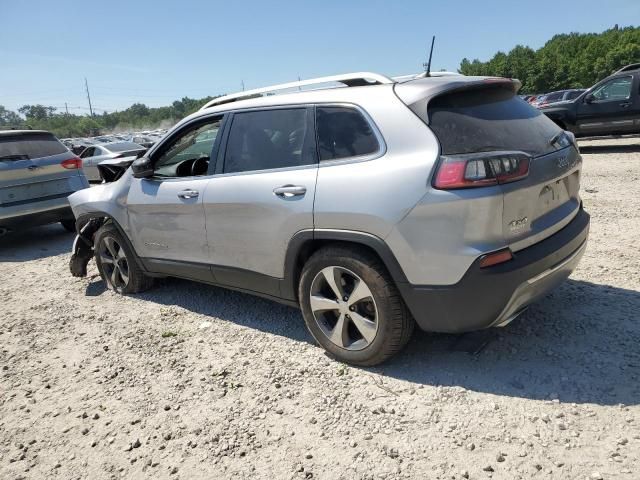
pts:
pixel 35 213
pixel 493 296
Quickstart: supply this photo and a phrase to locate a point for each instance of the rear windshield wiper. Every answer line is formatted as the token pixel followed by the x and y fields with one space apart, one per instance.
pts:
pixel 556 137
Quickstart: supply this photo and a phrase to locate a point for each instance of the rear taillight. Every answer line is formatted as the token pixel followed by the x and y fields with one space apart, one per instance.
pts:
pixel 72 163
pixel 480 170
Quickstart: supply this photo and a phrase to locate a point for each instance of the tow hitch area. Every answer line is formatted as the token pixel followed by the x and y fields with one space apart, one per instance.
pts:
pixel 82 250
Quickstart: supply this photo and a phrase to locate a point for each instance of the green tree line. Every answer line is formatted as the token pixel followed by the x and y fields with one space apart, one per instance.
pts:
pixel 574 60
pixel 61 124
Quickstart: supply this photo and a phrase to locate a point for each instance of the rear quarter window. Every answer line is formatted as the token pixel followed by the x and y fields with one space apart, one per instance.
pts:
pixel 343 132
pixel 30 146
pixel 489 119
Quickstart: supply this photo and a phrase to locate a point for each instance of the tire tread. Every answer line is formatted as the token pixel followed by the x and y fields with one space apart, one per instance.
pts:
pixel 402 323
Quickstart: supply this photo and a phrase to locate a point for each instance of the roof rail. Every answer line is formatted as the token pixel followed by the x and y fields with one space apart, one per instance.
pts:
pixel 358 79
pixel 628 68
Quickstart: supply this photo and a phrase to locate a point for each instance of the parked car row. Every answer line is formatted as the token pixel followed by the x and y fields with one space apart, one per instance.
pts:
pixel 144 138
pixel 556 97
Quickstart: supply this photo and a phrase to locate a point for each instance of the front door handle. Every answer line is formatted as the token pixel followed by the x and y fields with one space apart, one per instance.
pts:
pixel 186 194
pixel 288 191
pixel 625 104
pixel 33 167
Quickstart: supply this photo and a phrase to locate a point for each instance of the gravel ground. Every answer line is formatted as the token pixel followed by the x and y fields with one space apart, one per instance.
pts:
pixel 191 381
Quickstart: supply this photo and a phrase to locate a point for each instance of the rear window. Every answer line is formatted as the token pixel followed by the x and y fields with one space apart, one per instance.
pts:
pixel 29 146
pixel 487 120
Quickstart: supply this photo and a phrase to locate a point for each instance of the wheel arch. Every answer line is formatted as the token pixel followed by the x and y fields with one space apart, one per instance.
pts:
pixel 306 242
pixel 107 218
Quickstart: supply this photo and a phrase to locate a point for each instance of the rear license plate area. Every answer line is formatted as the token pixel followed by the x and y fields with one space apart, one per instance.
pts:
pixel 31 191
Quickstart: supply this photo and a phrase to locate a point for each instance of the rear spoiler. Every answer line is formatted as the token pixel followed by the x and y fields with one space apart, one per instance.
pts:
pixel 418 93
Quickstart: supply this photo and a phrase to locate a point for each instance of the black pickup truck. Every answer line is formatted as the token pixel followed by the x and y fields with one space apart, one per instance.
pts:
pixel 610 107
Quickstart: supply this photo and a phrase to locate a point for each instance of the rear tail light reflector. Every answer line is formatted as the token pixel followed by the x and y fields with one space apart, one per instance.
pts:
pixel 495 258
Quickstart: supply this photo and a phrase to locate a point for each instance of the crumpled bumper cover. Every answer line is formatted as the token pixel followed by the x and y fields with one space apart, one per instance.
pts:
pixel 82 250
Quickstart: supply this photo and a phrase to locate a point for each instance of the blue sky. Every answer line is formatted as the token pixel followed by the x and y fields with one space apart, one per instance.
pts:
pixel 156 52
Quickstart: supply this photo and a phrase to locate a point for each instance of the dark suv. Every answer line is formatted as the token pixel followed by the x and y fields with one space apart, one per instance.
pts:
pixel 610 107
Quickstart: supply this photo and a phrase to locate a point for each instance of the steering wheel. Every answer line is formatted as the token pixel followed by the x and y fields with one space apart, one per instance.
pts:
pixel 200 166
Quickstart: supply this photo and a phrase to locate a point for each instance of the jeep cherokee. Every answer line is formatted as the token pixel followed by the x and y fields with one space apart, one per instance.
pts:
pixel 445 201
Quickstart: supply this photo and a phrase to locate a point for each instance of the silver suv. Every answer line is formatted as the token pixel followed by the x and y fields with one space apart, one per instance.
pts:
pixel 443 201
pixel 37 174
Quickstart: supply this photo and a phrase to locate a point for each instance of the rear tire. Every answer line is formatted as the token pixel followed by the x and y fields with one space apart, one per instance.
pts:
pixel 352 307
pixel 69 225
pixel 117 263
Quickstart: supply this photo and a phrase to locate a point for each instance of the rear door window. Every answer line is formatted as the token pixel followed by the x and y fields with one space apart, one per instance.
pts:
pixel 488 119
pixel 343 132
pixel 29 146
pixel 267 139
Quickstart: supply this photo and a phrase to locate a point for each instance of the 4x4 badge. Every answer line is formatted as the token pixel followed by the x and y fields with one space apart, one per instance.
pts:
pixel 563 161
pixel 518 224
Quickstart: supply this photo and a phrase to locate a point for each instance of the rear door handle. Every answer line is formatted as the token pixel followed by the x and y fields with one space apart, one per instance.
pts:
pixel 288 191
pixel 625 104
pixel 33 167
pixel 186 194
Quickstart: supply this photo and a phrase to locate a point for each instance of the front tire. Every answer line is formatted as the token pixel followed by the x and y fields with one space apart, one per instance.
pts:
pixel 117 263
pixel 352 307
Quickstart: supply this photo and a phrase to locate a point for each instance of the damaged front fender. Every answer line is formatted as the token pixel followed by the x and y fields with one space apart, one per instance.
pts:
pixel 82 250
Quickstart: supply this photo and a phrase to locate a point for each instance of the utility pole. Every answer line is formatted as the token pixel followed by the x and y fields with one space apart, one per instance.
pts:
pixel 242 83
pixel 86 86
pixel 66 108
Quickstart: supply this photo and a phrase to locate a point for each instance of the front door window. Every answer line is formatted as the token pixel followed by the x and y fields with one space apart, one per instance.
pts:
pixel 614 90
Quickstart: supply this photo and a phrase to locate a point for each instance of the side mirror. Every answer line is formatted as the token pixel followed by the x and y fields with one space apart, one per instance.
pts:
pixel 589 98
pixel 142 167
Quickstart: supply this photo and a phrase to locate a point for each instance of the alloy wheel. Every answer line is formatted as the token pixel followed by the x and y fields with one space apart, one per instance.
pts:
pixel 115 265
pixel 344 308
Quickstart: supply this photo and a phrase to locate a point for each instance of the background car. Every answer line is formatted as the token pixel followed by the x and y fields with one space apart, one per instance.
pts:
pixel 144 140
pixel 610 107
pixel 37 174
pixel 95 154
pixel 559 96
